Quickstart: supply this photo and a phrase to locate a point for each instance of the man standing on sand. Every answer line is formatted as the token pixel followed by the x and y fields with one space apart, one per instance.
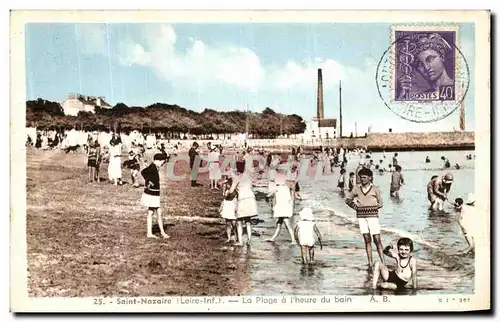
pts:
pixel 365 198
pixel 193 155
pixel 437 191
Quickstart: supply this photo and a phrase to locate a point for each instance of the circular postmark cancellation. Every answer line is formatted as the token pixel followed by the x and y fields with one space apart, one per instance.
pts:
pixel 423 76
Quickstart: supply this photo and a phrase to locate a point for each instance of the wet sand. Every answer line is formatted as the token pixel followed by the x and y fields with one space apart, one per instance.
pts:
pixel 88 239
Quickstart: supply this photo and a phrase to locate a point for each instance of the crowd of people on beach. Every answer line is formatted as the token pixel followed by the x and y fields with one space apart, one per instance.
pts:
pixel 239 205
pixel 237 179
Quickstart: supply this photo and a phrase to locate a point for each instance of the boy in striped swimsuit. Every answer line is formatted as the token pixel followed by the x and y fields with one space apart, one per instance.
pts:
pixel 365 198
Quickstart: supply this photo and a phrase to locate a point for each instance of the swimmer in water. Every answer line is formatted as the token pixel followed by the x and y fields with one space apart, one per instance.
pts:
pixel 395 159
pixel 396 181
pixel 437 191
pixel 406 267
pixel 446 162
pixel 429 187
pixel 380 167
pixel 370 165
pixel 342 180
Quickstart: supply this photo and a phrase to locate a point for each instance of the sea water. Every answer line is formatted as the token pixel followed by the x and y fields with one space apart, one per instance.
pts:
pixel 341 267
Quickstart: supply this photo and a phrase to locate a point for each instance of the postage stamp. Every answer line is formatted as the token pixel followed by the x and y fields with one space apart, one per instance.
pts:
pixel 425 66
pixel 231 161
pixel 428 73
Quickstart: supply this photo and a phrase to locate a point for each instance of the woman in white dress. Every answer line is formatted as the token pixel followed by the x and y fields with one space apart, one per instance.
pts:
pixel 115 161
pixel 213 168
pixel 273 162
pixel 247 205
pixel 283 206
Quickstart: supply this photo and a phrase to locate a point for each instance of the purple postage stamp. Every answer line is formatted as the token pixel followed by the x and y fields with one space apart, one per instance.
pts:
pixel 423 76
pixel 424 65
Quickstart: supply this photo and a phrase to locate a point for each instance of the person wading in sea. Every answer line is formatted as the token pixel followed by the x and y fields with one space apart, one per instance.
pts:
pixel 437 191
pixel 396 181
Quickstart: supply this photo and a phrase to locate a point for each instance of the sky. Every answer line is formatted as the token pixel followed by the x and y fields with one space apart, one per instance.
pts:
pixel 227 67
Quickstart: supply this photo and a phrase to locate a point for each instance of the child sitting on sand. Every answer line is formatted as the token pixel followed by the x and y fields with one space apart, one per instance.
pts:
pixel 305 232
pixel 406 267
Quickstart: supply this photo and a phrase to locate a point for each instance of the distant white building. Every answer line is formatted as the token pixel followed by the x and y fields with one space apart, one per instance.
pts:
pixel 78 102
pixel 321 129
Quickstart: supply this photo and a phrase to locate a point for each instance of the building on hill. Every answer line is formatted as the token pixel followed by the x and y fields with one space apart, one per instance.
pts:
pixel 78 102
pixel 321 129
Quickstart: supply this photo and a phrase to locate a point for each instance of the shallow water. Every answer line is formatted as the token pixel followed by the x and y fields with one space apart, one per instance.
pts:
pixel 341 266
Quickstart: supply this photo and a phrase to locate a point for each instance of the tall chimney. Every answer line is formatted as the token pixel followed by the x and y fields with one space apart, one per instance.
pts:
pixel 462 117
pixel 319 112
pixel 340 106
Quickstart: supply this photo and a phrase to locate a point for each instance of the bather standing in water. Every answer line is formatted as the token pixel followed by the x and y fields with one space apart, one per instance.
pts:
pixel 446 164
pixel 246 207
pixel 466 221
pixel 283 206
pixel 396 181
pixel 437 191
pixel 395 159
pixel 366 200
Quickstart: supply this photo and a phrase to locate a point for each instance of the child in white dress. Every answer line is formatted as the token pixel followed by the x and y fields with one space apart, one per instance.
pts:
pixel 228 209
pixel 283 206
pixel 306 232
pixel 213 168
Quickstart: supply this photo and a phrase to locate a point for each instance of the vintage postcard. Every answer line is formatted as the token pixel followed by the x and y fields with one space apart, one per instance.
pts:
pixel 250 161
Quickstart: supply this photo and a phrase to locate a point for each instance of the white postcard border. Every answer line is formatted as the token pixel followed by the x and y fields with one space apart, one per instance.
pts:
pixel 20 302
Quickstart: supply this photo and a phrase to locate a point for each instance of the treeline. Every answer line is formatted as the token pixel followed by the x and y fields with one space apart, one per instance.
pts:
pixel 163 118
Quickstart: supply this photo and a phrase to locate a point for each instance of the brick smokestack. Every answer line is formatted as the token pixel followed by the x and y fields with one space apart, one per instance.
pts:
pixel 319 112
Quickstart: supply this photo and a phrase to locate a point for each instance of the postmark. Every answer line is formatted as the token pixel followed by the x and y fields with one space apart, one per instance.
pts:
pixel 423 76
